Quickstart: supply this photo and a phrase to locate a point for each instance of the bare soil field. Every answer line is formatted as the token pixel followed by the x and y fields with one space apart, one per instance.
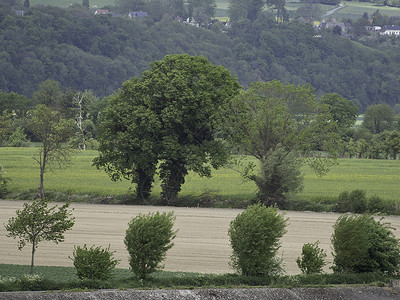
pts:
pixel 202 243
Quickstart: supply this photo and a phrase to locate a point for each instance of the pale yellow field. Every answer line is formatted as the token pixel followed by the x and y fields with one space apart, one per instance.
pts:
pixel 201 245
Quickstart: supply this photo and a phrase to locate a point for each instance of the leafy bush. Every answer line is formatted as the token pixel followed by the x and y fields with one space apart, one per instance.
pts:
pixel 95 263
pixel 18 138
pixel 376 204
pixel 361 244
pixel 312 258
pixel 148 238
pixel 355 201
pixel 254 235
pixel 3 182
pixel 279 176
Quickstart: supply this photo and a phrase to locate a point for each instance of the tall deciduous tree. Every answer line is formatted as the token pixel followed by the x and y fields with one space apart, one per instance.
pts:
pixel 52 131
pixel 378 118
pixel 201 10
pixel 343 111
pixel 276 122
pixel 245 9
pixel 36 222
pixel 168 115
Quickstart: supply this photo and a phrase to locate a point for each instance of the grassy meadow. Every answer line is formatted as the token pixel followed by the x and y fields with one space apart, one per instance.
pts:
pixel 376 177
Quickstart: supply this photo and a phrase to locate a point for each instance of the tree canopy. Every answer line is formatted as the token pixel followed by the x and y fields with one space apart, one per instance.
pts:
pixel 274 122
pixel 177 105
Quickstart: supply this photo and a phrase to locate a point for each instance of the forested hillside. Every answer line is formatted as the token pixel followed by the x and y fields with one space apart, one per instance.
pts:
pixel 83 51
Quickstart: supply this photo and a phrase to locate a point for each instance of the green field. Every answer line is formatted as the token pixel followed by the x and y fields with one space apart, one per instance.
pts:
pixel 355 10
pixel 380 177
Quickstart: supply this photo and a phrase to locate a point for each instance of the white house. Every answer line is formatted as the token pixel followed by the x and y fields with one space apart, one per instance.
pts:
pixel 137 14
pixel 391 30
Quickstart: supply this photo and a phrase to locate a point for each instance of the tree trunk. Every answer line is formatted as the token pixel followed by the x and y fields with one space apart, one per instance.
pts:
pixel 41 188
pixel 172 182
pixel 33 256
pixel 144 185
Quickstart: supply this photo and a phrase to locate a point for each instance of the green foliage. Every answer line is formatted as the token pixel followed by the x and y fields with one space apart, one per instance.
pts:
pixel 148 238
pixel 36 222
pixel 343 112
pixel 52 131
pixel 361 244
pixel 254 236
pixel 5 127
pixel 280 175
pixel 376 204
pixel 18 138
pixel 274 122
pixel 64 278
pixel 355 201
pixel 4 181
pixel 378 118
pixel 94 263
pixel 100 60
pixel 169 116
pixel 312 259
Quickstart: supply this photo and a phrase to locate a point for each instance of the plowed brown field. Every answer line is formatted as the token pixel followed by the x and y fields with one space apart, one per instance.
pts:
pixel 201 245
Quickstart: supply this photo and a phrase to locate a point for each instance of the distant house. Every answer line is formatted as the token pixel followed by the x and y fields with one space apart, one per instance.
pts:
pixel 101 12
pixel 391 30
pixel 19 12
pixel 137 14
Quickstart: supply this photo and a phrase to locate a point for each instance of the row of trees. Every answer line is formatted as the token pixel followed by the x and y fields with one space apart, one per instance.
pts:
pixel 98 53
pixel 184 114
pixel 177 115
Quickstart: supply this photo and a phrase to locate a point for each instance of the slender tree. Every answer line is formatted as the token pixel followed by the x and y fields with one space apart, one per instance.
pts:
pixel 36 222
pixel 52 131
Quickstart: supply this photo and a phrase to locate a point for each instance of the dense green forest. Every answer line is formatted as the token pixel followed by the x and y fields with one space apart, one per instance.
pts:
pixel 87 52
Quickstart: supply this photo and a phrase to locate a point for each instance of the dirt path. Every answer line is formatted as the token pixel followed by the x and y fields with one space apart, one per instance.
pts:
pixel 201 245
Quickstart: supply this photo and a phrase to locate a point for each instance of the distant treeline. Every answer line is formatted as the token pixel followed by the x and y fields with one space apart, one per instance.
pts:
pixel 86 52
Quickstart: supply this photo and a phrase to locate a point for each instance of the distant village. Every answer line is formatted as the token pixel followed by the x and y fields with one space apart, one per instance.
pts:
pixel 341 27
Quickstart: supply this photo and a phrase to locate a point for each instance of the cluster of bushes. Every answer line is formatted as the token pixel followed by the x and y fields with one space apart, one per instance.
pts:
pixel 357 201
pixel 361 245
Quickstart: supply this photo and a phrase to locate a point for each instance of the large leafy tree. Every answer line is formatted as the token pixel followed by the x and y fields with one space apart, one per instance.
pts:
pixel 279 124
pixel 169 116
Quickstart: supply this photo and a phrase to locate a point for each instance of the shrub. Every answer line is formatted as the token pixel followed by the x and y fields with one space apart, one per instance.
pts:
pixel 355 201
pixel 3 182
pixel 254 235
pixel 376 204
pixel 361 244
pixel 148 238
pixel 280 175
pixel 18 138
pixel 312 258
pixel 95 263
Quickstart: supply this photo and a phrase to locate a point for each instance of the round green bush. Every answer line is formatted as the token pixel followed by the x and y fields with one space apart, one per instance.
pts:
pixel 148 238
pixel 361 244
pixel 312 258
pixel 254 235
pixel 94 263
